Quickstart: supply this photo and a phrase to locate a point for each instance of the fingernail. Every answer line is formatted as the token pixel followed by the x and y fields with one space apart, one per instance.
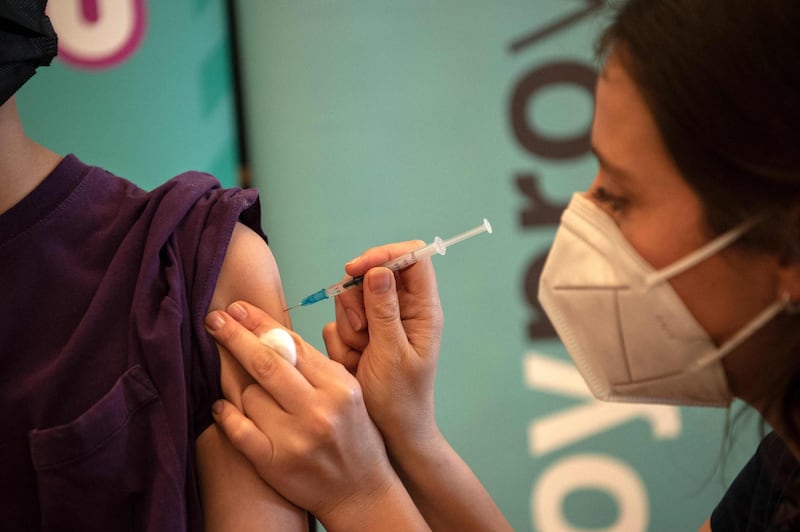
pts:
pixel 354 319
pixel 215 321
pixel 217 407
pixel 379 281
pixel 353 261
pixel 237 311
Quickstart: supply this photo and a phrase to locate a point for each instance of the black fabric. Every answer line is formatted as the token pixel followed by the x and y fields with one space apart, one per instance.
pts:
pixel 764 495
pixel 27 41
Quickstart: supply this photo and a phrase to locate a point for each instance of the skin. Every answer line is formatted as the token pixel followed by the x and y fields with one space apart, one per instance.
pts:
pixel 389 336
pixel 317 444
pixel 234 496
pixel 315 409
pixel 24 163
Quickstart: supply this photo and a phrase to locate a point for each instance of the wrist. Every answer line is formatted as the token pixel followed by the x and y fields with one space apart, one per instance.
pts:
pixel 407 425
pixel 409 451
pixel 384 507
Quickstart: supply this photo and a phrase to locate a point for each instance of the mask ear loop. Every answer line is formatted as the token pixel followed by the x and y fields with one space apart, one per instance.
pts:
pixel 781 304
pixel 699 255
pixel 790 307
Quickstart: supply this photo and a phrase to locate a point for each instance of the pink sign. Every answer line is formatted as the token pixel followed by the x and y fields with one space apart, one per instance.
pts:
pixel 97 34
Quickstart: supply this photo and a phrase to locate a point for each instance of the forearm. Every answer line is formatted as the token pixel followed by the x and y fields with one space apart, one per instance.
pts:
pixel 391 509
pixel 444 488
pixel 234 496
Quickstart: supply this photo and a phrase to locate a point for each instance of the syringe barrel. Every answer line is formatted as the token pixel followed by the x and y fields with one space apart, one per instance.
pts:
pixel 404 261
pixel 336 289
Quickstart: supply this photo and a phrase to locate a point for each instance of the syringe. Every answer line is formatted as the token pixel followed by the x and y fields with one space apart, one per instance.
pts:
pixel 404 261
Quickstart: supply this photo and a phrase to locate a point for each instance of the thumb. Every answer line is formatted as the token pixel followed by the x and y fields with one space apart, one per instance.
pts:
pixel 386 331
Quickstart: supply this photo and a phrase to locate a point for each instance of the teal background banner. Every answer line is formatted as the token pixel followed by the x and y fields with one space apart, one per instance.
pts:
pixel 371 122
pixel 143 89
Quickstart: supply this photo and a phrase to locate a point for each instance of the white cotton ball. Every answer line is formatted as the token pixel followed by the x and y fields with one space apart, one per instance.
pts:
pixel 282 342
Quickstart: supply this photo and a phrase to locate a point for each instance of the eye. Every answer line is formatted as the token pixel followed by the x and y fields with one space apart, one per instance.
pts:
pixel 614 202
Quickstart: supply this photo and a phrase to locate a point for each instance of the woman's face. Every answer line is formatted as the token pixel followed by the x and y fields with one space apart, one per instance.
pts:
pixel 639 185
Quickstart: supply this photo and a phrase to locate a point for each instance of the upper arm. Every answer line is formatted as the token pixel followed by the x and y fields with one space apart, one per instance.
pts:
pixel 249 272
pixel 234 496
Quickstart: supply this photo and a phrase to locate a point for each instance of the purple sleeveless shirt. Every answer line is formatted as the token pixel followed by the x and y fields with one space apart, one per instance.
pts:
pixel 106 371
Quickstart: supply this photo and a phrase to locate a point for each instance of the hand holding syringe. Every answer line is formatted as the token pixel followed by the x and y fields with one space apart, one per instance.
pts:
pixel 404 261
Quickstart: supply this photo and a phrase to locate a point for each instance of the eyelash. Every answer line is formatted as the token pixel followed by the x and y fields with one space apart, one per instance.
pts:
pixel 615 203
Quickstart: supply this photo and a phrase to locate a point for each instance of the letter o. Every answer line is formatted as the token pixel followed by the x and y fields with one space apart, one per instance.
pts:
pixel 528 136
pixel 589 471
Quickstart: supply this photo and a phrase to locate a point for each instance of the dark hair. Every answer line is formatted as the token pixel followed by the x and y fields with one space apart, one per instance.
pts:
pixel 722 80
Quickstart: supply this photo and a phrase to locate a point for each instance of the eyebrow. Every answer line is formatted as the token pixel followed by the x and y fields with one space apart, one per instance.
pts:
pixel 616 170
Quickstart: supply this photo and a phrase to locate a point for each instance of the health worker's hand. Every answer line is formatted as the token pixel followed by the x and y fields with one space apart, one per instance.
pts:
pixel 306 430
pixel 388 334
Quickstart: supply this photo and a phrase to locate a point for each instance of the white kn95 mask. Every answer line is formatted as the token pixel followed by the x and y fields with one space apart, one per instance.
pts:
pixel 627 330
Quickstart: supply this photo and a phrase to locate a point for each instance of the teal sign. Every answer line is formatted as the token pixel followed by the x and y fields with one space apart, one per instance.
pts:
pixel 373 122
